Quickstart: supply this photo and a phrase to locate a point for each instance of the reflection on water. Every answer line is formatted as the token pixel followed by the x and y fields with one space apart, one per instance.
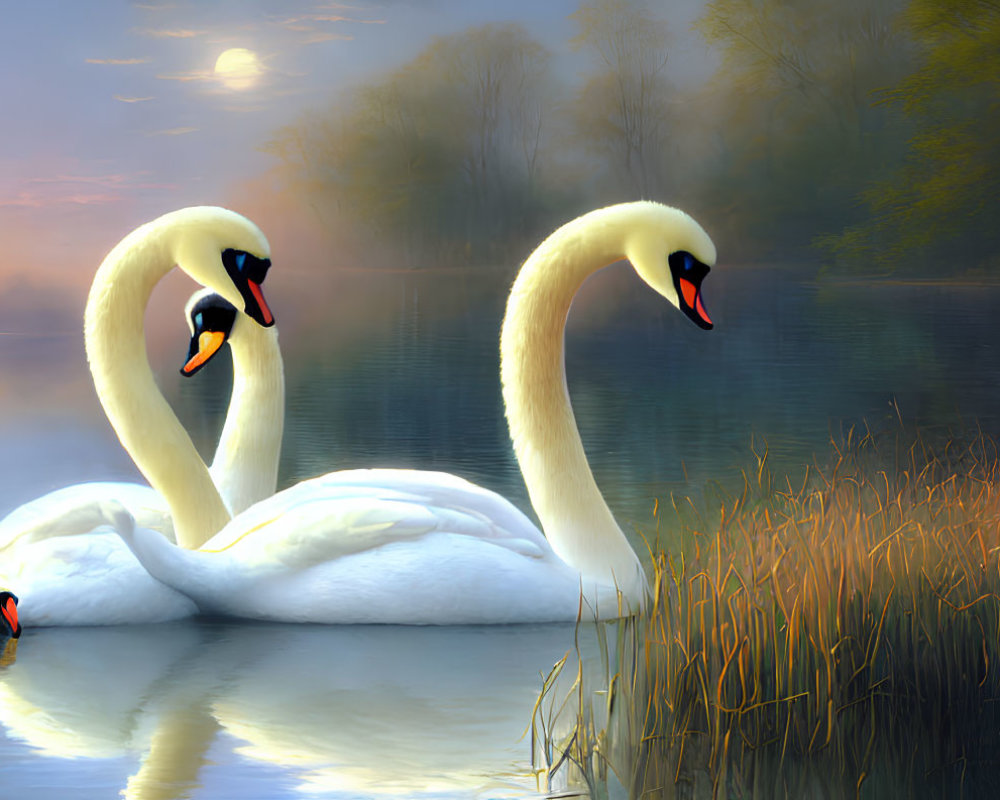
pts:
pixel 331 712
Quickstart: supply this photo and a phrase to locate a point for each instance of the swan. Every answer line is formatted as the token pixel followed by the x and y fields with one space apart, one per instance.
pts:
pixel 415 547
pixel 68 566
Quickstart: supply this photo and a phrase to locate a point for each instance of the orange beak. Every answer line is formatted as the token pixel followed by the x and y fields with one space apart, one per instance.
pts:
pixel 693 299
pixel 209 343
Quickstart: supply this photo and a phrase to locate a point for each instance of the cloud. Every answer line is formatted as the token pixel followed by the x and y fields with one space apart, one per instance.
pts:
pixel 115 180
pixel 76 190
pixel 193 76
pixel 172 131
pixel 27 199
pixel 321 36
pixel 117 61
pixel 176 33
pixel 122 99
pixel 298 23
pixel 339 18
pixel 338 7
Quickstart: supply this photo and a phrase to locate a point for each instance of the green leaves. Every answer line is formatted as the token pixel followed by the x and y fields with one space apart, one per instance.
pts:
pixel 938 210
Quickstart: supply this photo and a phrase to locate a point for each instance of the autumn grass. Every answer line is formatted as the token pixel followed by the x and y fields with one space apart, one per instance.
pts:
pixel 836 638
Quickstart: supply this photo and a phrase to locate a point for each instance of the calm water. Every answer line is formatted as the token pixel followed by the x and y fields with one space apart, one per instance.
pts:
pixel 401 370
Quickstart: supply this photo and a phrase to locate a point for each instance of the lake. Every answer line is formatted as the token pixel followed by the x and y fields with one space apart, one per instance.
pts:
pixel 400 369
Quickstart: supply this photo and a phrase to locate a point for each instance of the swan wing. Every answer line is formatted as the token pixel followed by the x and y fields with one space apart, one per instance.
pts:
pixel 81 508
pixel 357 510
pixel 89 580
pixel 505 524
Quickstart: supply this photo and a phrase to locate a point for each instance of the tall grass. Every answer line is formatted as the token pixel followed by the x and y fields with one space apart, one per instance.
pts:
pixel 836 638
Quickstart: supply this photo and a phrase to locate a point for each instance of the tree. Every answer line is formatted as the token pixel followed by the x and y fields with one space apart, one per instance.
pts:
pixel 801 131
pixel 940 207
pixel 621 111
pixel 441 155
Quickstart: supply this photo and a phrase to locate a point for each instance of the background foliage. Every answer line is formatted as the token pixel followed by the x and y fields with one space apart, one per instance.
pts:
pixel 863 133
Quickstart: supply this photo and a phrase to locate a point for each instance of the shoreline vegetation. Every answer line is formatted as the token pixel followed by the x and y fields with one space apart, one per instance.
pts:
pixel 835 638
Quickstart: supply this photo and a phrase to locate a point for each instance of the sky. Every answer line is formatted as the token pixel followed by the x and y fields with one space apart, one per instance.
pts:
pixel 113 113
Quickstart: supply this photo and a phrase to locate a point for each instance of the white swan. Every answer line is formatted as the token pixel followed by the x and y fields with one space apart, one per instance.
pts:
pixel 411 547
pixel 66 567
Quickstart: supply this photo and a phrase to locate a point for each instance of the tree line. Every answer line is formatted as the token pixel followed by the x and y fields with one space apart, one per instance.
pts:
pixel 860 132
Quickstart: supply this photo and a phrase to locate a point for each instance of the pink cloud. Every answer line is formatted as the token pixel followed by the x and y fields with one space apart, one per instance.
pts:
pixel 339 18
pixel 27 199
pixel 176 33
pixel 117 61
pixel 75 190
pixel 198 75
pixel 297 23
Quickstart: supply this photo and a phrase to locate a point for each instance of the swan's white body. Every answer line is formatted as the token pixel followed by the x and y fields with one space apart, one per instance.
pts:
pixel 410 547
pixel 377 546
pixel 69 567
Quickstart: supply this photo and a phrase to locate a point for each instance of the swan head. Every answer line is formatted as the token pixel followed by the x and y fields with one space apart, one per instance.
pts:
pixel 210 318
pixel 226 252
pixel 9 624
pixel 673 254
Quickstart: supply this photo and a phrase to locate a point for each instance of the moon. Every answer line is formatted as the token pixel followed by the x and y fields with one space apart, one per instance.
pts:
pixel 238 68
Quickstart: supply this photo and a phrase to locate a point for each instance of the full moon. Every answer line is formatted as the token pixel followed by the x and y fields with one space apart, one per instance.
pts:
pixel 238 68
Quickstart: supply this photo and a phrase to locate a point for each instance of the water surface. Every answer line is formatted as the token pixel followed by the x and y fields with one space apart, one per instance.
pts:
pixel 215 710
pixel 400 369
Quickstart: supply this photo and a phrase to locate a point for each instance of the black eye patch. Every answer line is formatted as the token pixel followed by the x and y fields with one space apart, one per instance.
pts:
pixel 246 265
pixel 213 313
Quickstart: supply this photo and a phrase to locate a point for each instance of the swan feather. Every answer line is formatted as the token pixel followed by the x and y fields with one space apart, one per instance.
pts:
pixel 351 511
pixel 75 510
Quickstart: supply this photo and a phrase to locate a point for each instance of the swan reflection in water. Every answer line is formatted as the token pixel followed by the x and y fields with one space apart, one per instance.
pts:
pixel 340 710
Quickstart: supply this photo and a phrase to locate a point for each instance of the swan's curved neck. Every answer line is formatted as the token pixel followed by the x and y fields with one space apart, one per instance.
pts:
pixel 142 418
pixel 574 516
pixel 245 468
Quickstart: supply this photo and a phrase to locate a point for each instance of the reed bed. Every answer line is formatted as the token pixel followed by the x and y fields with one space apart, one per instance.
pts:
pixel 835 638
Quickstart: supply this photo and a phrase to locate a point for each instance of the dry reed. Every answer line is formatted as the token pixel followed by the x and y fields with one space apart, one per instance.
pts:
pixel 838 638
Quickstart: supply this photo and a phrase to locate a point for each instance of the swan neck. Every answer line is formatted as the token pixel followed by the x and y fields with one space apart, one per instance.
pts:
pixel 245 467
pixel 574 516
pixel 143 420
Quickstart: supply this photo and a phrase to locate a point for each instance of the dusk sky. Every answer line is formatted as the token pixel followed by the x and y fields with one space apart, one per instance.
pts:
pixel 114 113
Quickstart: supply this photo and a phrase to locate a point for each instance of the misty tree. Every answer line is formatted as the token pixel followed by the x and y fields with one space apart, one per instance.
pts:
pixel 497 71
pixel 940 207
pixel 800 129
pixel 440 156
pixel 621 111
pixel 306 151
